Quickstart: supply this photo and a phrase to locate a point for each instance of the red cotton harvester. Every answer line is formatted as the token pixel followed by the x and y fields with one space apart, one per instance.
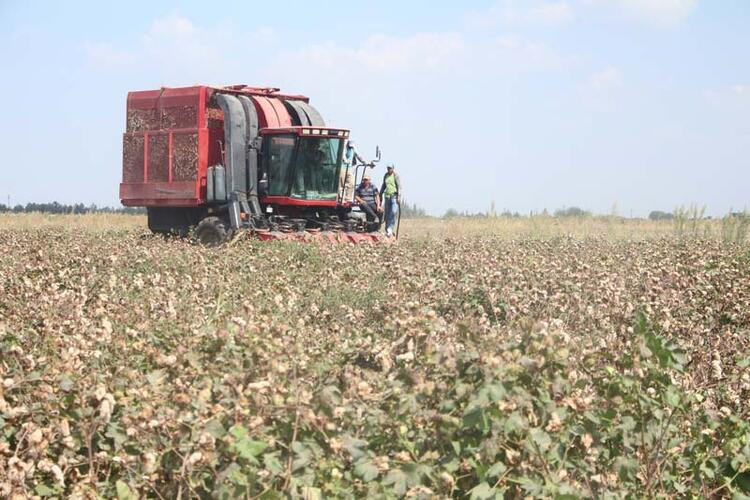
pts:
pixel 222 159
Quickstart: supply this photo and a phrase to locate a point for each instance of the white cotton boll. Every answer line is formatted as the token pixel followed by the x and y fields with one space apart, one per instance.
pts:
pixel 106 407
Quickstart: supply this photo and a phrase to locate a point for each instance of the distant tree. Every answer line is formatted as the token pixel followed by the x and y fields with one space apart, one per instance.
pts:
pixel 451 213
pixel 76 208
pixel 659 215
pixel 571 212
pixel 412 211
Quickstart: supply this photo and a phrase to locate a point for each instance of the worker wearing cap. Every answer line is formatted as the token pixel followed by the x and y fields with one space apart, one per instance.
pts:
pixel 369 200
pixel 390 191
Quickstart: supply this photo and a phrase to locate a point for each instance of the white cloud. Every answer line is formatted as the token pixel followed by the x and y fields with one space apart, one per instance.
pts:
pixel 551 13
pixel 178 51
pixel 264 35
pixel 729 95
pixel 520 14
pixel 654 12
pixel 380 53
pixel 603 91
pixel 104 54
pixel 606 78
pixel 173 26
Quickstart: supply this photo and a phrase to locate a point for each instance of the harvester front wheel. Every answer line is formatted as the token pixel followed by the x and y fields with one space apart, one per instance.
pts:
pixel 212 231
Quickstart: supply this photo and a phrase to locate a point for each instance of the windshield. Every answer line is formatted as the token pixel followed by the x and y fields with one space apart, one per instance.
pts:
pixel 279 163
pixel 316 168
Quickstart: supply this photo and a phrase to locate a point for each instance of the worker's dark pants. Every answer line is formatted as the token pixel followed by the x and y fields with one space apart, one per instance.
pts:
pixel 371 212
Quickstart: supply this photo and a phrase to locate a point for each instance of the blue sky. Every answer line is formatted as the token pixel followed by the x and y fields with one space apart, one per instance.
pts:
pixel 638 104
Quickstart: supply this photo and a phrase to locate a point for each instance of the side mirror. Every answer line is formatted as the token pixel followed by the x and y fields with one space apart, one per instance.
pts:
pixel 377 153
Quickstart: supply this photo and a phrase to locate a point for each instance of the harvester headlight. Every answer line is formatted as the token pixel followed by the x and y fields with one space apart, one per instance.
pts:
pixel 341 133
pixel 316 131
pixel 306 131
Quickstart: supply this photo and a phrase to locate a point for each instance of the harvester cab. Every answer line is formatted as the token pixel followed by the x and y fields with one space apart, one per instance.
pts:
pixel 300 165
pixel 221 159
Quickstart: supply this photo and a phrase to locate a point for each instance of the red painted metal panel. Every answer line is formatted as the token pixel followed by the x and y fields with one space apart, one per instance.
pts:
pixel 257 91
pixel 266 112
pixel 159 193
pixel 158 158
pixel 185 155
pixel 170 150
pixel 285 120
pixel 145 157
pixel 163 130
pixel 331 132
pixel 286 200
pixel 132 157
pixel 205 146
pixel 169 146
pixel 324 236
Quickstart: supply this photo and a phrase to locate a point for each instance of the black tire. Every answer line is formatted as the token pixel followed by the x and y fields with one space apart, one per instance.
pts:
pixel 212 231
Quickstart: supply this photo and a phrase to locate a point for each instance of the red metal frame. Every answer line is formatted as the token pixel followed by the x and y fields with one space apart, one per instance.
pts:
pixel 332 132
pixel 174 112
pixel 296 202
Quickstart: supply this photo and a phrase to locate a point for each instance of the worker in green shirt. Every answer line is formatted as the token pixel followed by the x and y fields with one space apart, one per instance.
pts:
pixel 390 191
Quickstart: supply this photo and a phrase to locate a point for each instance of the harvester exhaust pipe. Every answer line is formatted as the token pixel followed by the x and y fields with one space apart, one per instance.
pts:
pixel 241 174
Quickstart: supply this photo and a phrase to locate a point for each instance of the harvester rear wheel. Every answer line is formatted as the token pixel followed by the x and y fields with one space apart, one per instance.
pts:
pixel 212 231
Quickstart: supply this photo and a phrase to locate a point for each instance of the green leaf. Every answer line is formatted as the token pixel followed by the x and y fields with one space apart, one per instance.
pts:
pixel 626 468
pixel 245 447
pixel 124 492
pixel 115 432
pixel 475 418
pixel 249 448
pixel 310 493
pixel 743 482
pixel 540 438
pixel 496 470
pixel 354 446
pixel 640 323
pixel 365 469
pixel 672 397
pixel 235 476
pixel 482 491
pixel 456 447
pixel 304 456
pixel 44 491
pixel 238 431
pixel 272 463
pixel 397 479
pixel 215 429
pixel 514 423
pixel 531 485
pixel 156 377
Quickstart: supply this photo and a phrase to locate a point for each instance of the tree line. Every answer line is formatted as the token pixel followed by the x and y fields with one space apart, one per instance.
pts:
pixel 62 208
pixel 407 210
